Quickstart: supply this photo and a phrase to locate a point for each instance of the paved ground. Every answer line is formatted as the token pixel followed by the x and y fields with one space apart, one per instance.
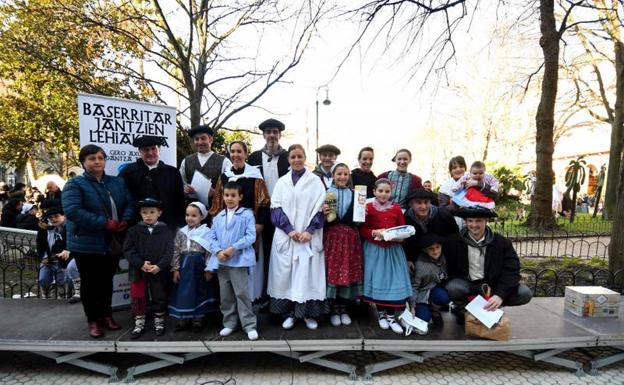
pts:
pixel 264 368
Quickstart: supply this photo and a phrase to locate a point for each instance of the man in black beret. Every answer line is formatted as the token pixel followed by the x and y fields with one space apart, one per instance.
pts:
pixel 426 219
pixel 205 161
pixel 272 159
pixel 478 256
pixel 327 158
pixel 151 177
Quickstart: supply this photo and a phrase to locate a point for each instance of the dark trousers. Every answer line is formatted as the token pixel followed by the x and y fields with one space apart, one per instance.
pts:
pixel 459 289
pixel 437 296
pixel 96 273
pixel 157 289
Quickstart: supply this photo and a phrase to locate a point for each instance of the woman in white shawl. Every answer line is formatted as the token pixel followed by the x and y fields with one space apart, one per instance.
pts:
pixel 297 264
pixel 255 197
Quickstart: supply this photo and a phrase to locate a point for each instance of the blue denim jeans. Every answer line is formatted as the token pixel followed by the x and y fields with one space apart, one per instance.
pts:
pixel 437 296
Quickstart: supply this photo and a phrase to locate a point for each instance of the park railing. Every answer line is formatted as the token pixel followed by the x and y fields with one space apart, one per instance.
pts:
pixel 582 224
pixel 19 264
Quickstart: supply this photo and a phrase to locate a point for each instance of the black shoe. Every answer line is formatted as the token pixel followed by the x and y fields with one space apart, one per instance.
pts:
pixel 198 325
pixel 159 331
pixel 459 315
pixel 436 317
pixel 183 324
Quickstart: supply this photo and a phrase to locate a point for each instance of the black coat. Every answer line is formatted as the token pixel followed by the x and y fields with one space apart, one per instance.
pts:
pixel 43 247
pixel 368 179
pixel 163 183
pixel 140 245
pixel 502 265
pixel 9 216
pixel 255 159
pixel 27 222
pixel 442 224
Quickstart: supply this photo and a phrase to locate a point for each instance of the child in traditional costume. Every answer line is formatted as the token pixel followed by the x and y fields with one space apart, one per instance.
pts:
pixel 148 247
pixel 232 238
pixel 386 276
pixel 343 248
pixel 192 297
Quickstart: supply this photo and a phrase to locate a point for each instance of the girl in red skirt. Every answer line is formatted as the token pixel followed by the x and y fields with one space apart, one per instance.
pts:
pixel 342 246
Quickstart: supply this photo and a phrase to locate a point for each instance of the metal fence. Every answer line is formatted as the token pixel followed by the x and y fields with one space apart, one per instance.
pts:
pixel 583 224
pixel 19 264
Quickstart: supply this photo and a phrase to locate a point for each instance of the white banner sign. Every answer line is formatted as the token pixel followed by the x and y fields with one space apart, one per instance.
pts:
pixel 113 123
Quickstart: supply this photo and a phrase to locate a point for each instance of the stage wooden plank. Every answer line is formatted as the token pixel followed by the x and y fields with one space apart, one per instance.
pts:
pixel 608 330
pixel 532 328
pixel 48 325
pixel 272 338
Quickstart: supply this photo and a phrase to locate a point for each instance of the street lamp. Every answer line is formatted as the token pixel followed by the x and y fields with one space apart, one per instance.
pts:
pixel 326 102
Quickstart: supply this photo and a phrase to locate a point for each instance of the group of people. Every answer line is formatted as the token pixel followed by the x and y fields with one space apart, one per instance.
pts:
pixel 27 208
pixel 271 234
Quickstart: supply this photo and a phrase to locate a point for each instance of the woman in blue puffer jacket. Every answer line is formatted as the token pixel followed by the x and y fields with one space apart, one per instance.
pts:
pixel 97 207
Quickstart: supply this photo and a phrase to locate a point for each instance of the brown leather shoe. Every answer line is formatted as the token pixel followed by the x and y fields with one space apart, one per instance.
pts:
pixel 110 324
pixel 94 330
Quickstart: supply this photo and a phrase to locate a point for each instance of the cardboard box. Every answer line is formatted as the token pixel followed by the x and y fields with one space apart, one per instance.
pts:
pixel 592 301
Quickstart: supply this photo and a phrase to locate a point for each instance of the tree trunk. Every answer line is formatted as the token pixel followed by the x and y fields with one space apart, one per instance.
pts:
pixel 616 245
pixel 541 217
pixel 617 134
pixel 573 210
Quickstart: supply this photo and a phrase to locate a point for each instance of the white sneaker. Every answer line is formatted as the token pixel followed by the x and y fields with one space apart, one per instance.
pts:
pixel 311 323
pixel 288 323
pixel 226 332
pixel 383 321
pixel 335 320
pixel 252 335
pixel 395 326
pixel 345 319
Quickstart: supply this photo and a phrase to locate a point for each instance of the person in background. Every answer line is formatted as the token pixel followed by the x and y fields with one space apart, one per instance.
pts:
pixel 27 220
pixel 327 158
pixel 401 180
pixel 10 211
pixel 52 251
pixel 272 161
pixel 149 177
pixel 364 175
pixel 476 188
pixel 457 169
pixel 204 161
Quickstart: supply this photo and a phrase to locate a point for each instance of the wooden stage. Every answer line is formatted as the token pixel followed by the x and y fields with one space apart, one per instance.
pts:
pixel 541 330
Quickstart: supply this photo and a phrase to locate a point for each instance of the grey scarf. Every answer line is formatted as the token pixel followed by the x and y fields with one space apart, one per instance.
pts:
pixel 489 237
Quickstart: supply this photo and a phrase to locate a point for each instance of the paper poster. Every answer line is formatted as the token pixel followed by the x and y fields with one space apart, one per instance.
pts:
pixel 113 123
pixel 359 208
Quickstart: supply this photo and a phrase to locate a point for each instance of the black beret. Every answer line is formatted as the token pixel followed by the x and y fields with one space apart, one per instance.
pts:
pixel 147 140
pixel 272 123
pixel 474 212
pixel 420 193
pixel 53 210
pixel 204 129
pixel 150 202
pixel 328 148
pixel 429 239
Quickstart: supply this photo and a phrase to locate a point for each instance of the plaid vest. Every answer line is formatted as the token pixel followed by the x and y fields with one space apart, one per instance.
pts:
pixel 211 169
